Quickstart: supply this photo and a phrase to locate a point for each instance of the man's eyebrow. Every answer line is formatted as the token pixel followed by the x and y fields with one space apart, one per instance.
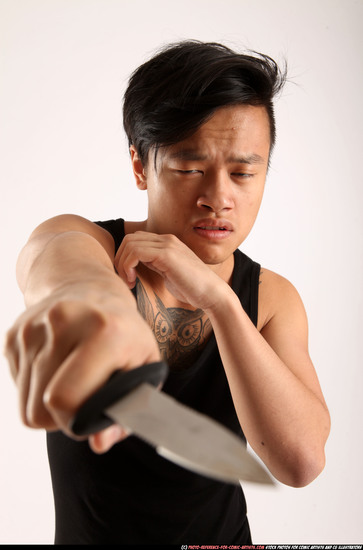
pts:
pixel 252 158
pixel 187 154
pixel 193 155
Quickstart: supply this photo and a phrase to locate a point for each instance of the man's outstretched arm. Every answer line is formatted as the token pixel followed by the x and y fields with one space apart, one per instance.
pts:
pixel 81 323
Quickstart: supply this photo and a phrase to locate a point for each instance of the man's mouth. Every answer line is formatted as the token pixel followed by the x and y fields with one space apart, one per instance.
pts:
pixel 211 228
pixel 214 224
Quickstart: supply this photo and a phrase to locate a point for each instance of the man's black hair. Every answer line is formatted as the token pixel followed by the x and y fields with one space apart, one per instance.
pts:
pixel 170 96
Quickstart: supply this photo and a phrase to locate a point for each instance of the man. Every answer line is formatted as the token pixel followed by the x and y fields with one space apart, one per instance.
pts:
pixel 119 294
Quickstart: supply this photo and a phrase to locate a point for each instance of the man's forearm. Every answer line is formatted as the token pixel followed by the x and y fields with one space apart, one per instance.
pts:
pixel 81 323
pixel 283 420
pixel 50 262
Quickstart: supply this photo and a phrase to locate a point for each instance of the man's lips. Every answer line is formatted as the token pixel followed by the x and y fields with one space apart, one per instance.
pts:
pixel 213 229
pixel 213 225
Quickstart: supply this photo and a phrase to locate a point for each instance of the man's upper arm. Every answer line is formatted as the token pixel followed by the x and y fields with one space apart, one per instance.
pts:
pixel 49 229
pixel 285 327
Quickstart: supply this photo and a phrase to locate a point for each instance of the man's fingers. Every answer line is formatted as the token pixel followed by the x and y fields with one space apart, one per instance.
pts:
pixel 146 248
pixel 43 365
pixel 29 342
pixel 74 381
pixel 101 442
pixel 90 365
pixel 61 352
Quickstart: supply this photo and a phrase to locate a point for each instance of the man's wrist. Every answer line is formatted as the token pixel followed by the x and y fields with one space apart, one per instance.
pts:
pixel 223 298
pixel 100 289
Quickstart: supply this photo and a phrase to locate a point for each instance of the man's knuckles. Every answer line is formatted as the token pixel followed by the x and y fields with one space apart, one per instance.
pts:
pixel 37 417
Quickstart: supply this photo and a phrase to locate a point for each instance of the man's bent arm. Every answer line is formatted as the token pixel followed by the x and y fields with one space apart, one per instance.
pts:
pixel 273 383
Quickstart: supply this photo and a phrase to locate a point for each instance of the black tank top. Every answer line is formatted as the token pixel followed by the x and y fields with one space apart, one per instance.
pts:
pixel 131 495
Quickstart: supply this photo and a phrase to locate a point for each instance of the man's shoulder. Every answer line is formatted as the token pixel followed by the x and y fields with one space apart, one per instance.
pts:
pixel 277 296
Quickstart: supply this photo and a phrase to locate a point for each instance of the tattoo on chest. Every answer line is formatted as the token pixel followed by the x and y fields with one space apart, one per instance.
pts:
pixel 180 333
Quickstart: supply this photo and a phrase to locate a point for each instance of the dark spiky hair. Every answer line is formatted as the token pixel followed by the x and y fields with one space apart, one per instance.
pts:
pixel 170 96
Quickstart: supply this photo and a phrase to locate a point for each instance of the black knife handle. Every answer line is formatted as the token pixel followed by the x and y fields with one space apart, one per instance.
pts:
pixel 90 418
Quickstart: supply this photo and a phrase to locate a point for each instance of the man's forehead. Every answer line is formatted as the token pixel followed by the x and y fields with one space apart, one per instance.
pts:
pixel 197 154
pixel 242 131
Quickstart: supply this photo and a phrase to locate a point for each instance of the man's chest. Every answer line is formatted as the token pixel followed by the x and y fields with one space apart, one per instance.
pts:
pixel 181 333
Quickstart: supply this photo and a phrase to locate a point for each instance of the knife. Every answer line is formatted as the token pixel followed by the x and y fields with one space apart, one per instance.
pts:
pixel 179 433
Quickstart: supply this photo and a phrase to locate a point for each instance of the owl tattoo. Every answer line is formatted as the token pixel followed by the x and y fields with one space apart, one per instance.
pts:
pixel 180 333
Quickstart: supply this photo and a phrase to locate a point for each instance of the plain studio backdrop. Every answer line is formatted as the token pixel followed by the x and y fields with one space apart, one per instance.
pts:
pixel 64 68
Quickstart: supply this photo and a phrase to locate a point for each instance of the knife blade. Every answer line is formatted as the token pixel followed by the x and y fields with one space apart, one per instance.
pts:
pixel 180 434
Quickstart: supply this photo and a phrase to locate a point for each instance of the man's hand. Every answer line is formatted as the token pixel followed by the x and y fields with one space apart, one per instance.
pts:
pixel 184 274
pixel 64 348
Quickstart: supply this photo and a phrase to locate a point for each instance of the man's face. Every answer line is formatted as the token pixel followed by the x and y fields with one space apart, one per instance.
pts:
pixel 207 189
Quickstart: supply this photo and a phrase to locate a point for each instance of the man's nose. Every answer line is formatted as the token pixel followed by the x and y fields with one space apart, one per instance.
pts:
pixel 216 193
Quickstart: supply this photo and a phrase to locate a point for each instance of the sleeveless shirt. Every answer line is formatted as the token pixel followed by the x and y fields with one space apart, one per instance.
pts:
pixel 131 495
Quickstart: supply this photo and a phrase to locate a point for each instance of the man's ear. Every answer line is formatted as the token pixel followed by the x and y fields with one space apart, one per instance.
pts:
pixel 138 169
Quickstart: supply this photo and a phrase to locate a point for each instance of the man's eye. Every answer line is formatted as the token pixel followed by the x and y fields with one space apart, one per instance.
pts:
pixel 188 171
pixel 242 175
